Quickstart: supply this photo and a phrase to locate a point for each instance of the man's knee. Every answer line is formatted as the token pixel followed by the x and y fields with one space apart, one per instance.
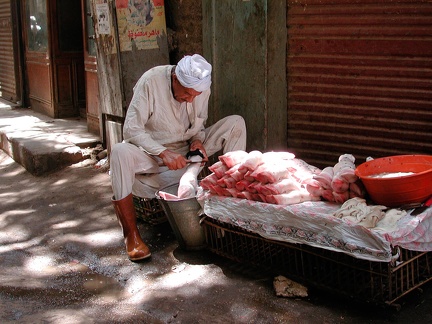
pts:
pixel 239 121
pixel 238 125
pixel 119 151
pixel 116 150
pixel 234 122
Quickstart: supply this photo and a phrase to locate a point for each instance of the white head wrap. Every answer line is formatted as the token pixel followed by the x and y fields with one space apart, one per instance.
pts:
pixel 194 72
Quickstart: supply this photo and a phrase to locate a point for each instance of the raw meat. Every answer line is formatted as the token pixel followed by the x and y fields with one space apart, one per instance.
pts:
pixel 301 171
pixel 337 183
pixel 248 176
pixel 235 172
pixel 167 196
pixel 254 187
pixel 232 158
pixel 341 197
pixel 254 159
pixel 189 181
pixel 242 185
pixel 209 181
pixel 283 186
pixel 327 194
pixel 245 195
pixel 325 177
pixel 345 168
pixel 258 176
pixel 271 172
pixel 268 157
pixel 227 182
pixel 315 190
pixel 218 168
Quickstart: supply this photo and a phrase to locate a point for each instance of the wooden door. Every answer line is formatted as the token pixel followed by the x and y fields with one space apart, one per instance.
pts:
pixel 90 70
pixel 38 85
pixel 67 57
pixel 54 60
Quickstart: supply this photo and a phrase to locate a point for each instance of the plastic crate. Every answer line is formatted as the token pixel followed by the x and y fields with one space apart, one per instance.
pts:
pixel 368 281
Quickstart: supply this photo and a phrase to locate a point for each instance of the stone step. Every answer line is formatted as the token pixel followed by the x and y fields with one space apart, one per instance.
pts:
pixel 42 144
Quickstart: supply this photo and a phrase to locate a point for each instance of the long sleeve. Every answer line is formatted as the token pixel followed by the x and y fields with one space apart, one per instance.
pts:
pixel 155 121
pixel 199 119
pixel 137 116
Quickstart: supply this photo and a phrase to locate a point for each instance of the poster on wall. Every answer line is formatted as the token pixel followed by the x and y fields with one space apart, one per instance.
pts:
pixel 102 12
pixel 140 23
pixel 104 30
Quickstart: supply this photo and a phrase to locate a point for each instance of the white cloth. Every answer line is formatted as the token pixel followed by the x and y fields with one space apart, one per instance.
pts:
pixel 310 223
pixel 357 211
pixel 194 72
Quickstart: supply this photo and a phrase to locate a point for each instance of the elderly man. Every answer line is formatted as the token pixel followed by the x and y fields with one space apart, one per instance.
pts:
pixel 165 120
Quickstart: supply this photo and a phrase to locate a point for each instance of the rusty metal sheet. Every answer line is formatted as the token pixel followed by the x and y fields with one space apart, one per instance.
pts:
pixel 359 78
pixel 8 82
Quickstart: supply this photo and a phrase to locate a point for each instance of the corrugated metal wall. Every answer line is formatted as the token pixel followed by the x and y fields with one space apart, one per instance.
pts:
pixel 359 78
pixel 8 86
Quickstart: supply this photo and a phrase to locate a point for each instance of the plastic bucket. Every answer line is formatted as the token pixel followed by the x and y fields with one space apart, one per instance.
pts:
pixel 398 191
pixel 184 218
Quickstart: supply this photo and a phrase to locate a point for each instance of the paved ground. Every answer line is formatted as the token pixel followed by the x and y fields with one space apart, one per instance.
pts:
pixel 62 261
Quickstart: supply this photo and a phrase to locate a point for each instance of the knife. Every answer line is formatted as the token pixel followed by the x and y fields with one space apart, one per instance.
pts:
pixel 187 161
pixel 422 207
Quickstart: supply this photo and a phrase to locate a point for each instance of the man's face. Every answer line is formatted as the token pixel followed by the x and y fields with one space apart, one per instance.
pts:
pixel 142 5
pixel 183 94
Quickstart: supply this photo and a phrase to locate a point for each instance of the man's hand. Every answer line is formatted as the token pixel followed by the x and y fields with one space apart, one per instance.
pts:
pixel 198 145
pixel 172 160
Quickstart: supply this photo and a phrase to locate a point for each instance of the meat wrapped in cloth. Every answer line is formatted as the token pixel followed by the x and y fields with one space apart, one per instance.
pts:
pixel 272 177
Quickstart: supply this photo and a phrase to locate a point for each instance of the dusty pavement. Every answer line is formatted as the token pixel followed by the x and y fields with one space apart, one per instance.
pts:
pixel 62 261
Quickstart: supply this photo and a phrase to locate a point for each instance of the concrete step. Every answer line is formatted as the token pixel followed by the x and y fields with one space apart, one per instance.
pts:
pixel 42 144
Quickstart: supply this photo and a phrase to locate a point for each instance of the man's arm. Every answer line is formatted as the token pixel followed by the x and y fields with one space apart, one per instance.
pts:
pixel 137 115
pixel 201 105
pixel 172 160
pixel 198 145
